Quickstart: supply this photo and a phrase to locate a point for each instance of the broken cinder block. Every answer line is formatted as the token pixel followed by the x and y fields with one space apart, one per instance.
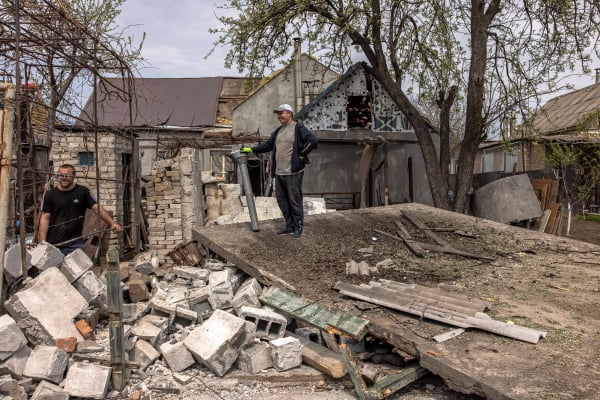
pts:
pixel 15 364
pixel 46 256
pixel 90 287
pixel 176 355
pixel 247 295
pixel 144 354
pixel 220 289
pixel 49 391
pixel 12 263
pixel 255 358
pixel 269 324
pixel 217 342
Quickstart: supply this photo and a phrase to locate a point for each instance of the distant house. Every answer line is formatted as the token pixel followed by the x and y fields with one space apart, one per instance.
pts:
pixel 368 153
pixel 570 118
pixel 168 113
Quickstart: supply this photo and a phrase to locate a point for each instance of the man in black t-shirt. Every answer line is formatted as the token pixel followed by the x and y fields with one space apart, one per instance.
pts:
pixel 63 212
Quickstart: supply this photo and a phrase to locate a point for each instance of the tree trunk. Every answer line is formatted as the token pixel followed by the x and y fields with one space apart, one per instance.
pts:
pixel 437 185
pixel 480 21
pixel 445 105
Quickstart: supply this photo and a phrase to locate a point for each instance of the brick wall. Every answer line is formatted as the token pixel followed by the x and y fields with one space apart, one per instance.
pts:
pixel 174 201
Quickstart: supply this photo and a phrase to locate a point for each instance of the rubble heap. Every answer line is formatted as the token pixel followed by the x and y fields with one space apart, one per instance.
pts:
pixel 54 341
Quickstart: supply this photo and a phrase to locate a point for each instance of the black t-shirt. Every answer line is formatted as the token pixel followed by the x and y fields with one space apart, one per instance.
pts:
pixel 67 212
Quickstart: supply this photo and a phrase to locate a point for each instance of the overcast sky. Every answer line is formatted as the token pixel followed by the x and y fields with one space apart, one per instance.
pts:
pixel 177 38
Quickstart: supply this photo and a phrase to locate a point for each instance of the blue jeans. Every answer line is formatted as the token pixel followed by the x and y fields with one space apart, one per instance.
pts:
pixel 72 247
pixel 288 191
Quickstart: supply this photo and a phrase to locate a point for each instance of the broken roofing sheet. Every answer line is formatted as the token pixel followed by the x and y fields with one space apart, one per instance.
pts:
pixel 542 282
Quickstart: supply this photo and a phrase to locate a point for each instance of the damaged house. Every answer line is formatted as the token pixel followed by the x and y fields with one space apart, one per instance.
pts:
pixel 368 154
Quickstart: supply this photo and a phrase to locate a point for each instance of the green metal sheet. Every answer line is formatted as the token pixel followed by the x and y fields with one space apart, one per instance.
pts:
pixel 315 314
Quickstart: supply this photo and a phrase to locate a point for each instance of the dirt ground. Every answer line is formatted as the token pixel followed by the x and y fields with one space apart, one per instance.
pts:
pixel 539 281
pixel 585 230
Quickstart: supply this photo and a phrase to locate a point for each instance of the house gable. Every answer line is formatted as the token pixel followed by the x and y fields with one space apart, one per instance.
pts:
pixel 355 102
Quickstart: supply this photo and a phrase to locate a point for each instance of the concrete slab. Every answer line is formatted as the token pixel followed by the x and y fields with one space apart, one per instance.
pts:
pixel 506 200
pixel 46 308
pixel 518 283
pixel 177 356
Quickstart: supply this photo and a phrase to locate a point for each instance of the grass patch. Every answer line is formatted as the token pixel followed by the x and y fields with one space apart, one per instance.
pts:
pixel 589 217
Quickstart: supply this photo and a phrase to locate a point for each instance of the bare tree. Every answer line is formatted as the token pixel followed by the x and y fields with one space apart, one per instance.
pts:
pixel 513 52
pixel 61 42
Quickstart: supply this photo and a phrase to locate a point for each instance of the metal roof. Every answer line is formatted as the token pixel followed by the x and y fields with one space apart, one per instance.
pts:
pixel 568 111
pixel 180 102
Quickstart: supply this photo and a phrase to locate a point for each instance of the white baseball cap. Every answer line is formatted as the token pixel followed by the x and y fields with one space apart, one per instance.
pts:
pixel 284 107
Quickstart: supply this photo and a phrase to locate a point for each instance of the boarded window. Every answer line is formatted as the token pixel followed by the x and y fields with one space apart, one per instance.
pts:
pixel 86 158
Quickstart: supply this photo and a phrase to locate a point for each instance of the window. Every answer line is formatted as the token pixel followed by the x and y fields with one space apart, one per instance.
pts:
pixel 487 162
pixel 511 161
pixel 86 158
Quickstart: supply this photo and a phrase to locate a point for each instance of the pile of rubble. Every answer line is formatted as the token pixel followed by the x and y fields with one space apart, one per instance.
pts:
pixel 54 341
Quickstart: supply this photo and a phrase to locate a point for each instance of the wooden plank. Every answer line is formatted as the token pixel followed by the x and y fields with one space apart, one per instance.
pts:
pixel 449 250
pixel 409 241
pixel 320 357
pixel 421 225
pixel 314 314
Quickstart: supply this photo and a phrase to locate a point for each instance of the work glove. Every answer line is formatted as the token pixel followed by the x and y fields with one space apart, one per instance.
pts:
pixel 246 150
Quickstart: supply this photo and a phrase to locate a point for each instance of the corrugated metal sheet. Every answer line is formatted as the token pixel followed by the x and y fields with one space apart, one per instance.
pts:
pixel 182 102
pixel 567 111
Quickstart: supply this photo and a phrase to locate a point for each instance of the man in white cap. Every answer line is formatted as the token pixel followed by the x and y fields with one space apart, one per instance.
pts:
pixel 289 144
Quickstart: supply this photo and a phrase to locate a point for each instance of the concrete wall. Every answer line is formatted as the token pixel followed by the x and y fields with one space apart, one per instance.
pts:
pixel 255 114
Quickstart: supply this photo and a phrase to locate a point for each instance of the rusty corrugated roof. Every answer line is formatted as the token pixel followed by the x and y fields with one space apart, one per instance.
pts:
pixel 182 102
pixel 567 111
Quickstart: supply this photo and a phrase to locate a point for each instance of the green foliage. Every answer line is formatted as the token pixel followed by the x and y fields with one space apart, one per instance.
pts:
pixel 577 166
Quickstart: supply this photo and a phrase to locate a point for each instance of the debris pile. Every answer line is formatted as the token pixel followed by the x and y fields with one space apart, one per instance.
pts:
pixel 55 339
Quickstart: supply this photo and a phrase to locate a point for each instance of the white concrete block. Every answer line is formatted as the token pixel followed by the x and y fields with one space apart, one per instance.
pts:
pixel 87 380
pixel 48 391
pixel 11 337
pixel 177 356
pixel 47 307
pixel 46 363
pixel 220 289
pixel 216 343
pixel 286 353
pixel 46 256
pixel 76 264
pixel 151 328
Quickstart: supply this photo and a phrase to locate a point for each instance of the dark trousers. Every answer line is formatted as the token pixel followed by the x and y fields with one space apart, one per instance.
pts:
pixel 288 191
